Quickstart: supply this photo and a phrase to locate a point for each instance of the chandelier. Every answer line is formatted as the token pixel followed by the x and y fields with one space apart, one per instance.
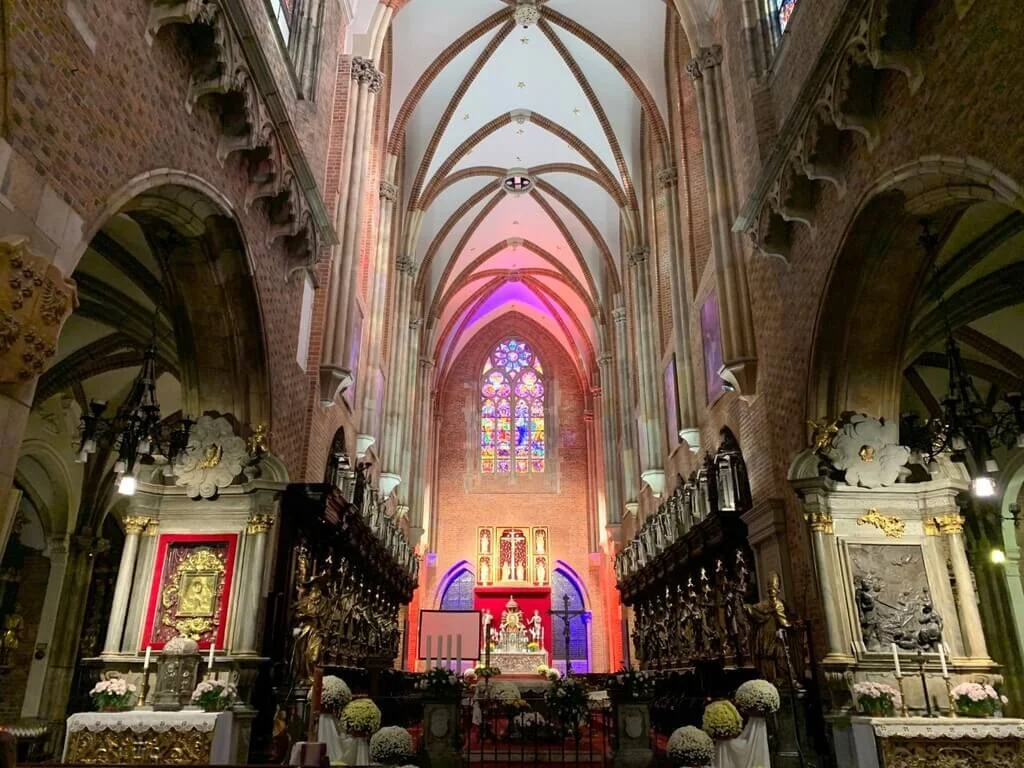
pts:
pixel 969 427
pixel 135 432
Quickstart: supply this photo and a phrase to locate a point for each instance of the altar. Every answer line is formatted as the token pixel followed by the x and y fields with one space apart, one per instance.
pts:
pixel 515 643
pixel 189 737
pixel 895 742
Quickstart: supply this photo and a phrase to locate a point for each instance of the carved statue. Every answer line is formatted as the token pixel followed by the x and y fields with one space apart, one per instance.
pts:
pixel 485 572
pixel 520 572
pixel 870 622
pixel 768 617
pixel 307 651
pixel 506 571
pixel 541 572
pixel 929 636
pixel 13 625
pixel 539 543
pixel 485 542
pixel 537 629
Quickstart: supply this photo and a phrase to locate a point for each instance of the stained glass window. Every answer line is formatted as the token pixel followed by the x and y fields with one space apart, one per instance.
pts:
pixel 458 595
pixel 562 584
pixel 785 11
pixel 512 410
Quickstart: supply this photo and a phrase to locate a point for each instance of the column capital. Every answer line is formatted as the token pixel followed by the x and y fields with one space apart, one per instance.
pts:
pixel 365 72
pixel 260 524
pixel 638 255
pixel 605 359
pixel 667 177
pixel 426 362
pixel 820 522
pixel 134 524
pixel 950 525
pixel 596 392
pixel 710 57
pixel 415 323
pixel 36 300
pixel 388 191
pixel 693 69
pixel 405 265
pixel 619 315
pixel 588 417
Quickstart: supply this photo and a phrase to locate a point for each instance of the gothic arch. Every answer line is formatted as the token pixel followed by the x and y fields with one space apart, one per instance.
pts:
pixel 449 578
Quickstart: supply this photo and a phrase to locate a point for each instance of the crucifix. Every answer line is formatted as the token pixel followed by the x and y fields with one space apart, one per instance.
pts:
pixel 567 615
pixel 513 537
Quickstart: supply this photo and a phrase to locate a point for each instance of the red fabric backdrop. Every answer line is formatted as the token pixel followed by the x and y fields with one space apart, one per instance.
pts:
pixel 530 599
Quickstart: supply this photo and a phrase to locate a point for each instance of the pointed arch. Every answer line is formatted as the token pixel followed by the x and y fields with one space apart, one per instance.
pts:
pixel 512 407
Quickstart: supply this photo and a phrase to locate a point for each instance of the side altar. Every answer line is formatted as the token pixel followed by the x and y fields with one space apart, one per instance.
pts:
pixel 517 644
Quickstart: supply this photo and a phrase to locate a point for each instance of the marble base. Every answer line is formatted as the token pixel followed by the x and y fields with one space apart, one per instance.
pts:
pixel 525 663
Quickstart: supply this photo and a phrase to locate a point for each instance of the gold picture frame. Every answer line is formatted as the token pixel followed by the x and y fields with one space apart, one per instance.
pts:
pixel 197 592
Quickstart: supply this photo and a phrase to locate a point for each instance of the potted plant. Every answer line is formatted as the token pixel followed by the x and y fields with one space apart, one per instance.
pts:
pixel 632 685
pixel 977 700
pixel 876 699
pixel 722 720
pixel 115 694
pixel 391 746
pixel 690 747
pixel 214 695
pixel 757 698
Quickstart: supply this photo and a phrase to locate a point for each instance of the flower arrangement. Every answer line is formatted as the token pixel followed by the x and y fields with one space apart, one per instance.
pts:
pixel 690 747
pixel 181 646
pixel 533 646
pixel 442 684
pixel 758 698
pixel 977 699
pixel 876 699
pixel 214 695
pixel 113 695
pixel 722 720
pixel 484 671
pixel 391 745
pixel 632 684
pixel 360 718
pixel 470 676
pixel 567 702
pixel 334 695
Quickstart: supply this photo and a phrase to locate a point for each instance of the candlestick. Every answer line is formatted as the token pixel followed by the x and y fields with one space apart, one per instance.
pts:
pixel 209 661
pixel 951 711
pixel 145 664
pixel 896 660
pixel 942 662
pixel 903 696
pixel 924 685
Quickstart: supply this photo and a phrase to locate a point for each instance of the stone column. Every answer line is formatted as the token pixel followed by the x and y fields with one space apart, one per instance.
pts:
pixel 823 544
pixel 410 392
pixel 952 527
pixel 394 397
pixel 652 470
pixel 593 511
pixel 35 300
pixel 133 528
pixel 630 486
pixel 335 375
pixel 739 353
pixel 421 455
pixel 257 529
pixel 604 402
pixel 688 427
pixel 381 272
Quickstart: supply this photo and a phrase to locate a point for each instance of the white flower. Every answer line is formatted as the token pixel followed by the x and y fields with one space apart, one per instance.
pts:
pixel 690 747
pixel 391 745
pixel 757 697
pixel 335 694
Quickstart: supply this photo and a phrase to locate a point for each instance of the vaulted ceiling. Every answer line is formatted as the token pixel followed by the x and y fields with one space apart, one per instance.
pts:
pixel 476 97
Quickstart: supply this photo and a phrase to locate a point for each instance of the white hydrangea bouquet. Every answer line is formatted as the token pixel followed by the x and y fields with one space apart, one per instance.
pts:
pixel 690 747
pixel 115 694
pixel 977 699
pixel 334 695
pixel 442 684
pixel 214 695
pixel 876 699
pixel 757 698
pixel 360 718
pixel 632 684
pixel 391 746
pixel 181 646
pixel 722 720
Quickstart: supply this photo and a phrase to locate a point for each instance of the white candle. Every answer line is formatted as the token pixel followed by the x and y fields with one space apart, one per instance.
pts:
pixel 145 664
pixel 896 660
pixel 458 653
pixel 210 660
pixel 942 661
pixel 430 646
pixel 448 652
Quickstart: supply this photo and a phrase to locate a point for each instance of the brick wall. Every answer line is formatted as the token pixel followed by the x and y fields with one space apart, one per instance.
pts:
pixel 565 512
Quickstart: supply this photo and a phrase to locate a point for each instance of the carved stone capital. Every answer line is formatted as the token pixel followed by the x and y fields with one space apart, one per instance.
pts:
pixel 35 300
pixel 415 323
pixel 667 177
pixel 693 69
pixel 365 72
pixel 638 256
pixel 605 359
pixel 619 315
pixel 134 524
pixel 405 266
pixel 260 524
pixel 388 191
pixel 710 57
pixel 820 522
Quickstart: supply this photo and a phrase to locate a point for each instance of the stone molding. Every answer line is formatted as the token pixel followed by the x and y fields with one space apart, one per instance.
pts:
pixel 365 72
pixel 639 255
pixel 231 72
pixel 868 36
pixel 35 300
pixel 388 191
pixel 667 177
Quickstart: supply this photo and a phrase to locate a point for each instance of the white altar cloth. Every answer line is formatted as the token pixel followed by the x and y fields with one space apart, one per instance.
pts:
pixel 341 748
pixel 866 731
pixel 748 750
pixel 141 720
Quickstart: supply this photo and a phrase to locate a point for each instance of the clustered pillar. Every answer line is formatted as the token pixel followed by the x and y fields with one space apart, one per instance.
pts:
pixel 605 403
pixel 739 354
pixel 336 369
pixel 630 486
pixel 396 393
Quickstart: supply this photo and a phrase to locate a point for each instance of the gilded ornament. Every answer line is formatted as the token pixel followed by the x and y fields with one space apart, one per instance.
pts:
pixel 892 527
pixel 820 522
pixel 950 524
pixel 171 747
pixel 931 526
pixel 193 593
pixel 260 523
pixel 822 434
pixel 258 440
pixel 952 753
pixel 134 524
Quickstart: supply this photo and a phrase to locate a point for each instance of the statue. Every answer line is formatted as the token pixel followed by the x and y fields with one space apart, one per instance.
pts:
pixel 870 621
pixel 506 571
pixel 768 617
pixel 485 542
pixel 13 625
pixel 539 542
pixel 929 636
pixel 520 572
pixel 485 572
pixel 307 651
pixel 542 572
pixel 536 629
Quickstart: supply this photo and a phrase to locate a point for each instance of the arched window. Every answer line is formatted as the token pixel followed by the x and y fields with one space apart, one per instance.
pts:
pixel 562 585
pixel 458 595
pixel 512 410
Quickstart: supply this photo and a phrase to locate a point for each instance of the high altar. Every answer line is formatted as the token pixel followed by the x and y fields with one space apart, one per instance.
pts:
pixel 514 596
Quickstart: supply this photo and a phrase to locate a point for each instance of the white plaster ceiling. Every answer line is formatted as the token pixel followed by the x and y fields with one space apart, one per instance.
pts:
pixel 546 70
